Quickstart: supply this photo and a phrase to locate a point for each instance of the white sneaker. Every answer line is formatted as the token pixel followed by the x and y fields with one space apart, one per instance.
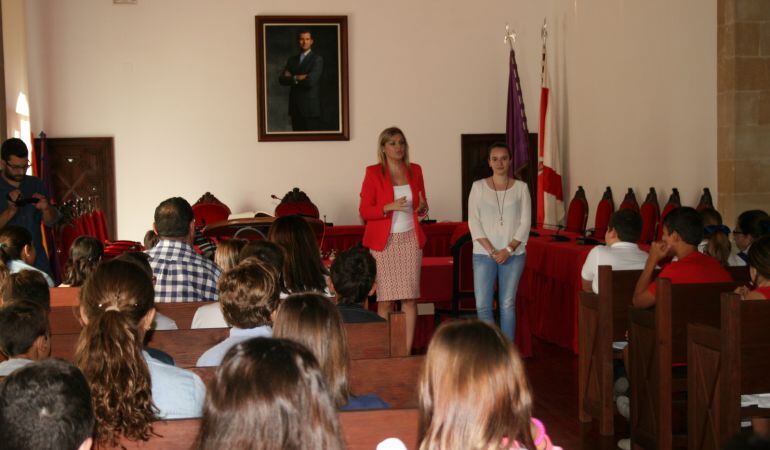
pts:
pixel 621 386
pixel 624 444
pixel 624 406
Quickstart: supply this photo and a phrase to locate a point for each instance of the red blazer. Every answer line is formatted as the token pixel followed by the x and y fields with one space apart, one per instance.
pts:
pixel 376 192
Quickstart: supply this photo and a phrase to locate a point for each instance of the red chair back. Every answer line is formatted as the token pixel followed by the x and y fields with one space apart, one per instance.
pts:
pixel 650 212
pixel 705 200
pixel 208 209
pixel 629 201
pixel 604 210
pixel 673 203
pixel 577 213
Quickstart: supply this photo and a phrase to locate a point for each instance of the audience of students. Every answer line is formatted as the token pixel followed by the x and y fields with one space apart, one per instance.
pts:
pixel 17 251
pixel 353 275
pixel 474 392
pixel 26 286
pixel 312 320
pixel 181 274
pixel 85 254
pixel 682 232
pixel 621 251
pixel 24 335
pixel 302 270
pixel 269 394
pixel 46 405
pixel 248 295
pixel 130 389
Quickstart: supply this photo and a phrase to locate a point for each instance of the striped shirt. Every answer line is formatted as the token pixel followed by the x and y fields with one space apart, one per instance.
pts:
pixel 182 275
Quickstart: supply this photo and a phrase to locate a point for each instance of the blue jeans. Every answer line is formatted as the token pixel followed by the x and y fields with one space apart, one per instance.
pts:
pixel 485 272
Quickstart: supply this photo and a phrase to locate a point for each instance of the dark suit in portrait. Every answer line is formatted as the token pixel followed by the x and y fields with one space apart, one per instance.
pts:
pixel 303 75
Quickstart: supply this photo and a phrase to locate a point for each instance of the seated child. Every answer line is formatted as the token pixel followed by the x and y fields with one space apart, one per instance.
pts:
pixel 269 394
pixel 85 254
pixel 247 295
pixel 24 335
pixel 46 405
pixel 26 286
pixel 312 320
pixel 17 252
pixel 352 278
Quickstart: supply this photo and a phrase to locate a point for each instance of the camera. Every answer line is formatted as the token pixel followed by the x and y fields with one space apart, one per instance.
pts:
pixel 22 201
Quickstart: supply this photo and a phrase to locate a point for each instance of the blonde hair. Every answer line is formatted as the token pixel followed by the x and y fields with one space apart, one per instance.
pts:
pixel 227 253
pixel 386 134
pixel 313 321
pixel 473 391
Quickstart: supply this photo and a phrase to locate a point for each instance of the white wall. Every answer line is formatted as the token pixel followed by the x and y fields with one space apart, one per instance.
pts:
pixel 174 82
pixel 15 64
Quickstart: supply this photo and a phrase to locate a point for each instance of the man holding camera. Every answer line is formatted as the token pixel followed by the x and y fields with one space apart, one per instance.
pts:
pixel 22 197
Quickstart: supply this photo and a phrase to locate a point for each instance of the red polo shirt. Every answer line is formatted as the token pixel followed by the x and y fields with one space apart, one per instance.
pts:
pixel 694 268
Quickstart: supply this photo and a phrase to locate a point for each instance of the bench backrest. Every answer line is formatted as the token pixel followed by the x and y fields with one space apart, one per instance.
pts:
pixel 362 430
pixel 365 340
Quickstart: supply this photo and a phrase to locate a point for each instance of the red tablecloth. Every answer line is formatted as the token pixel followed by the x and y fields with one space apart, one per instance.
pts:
pixel 438 236
pixel 548 290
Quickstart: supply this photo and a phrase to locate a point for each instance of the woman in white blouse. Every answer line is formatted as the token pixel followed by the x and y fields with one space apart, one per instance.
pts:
pixel 499 218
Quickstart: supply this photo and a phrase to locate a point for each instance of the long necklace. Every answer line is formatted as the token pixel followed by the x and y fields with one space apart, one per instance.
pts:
pixel 500 206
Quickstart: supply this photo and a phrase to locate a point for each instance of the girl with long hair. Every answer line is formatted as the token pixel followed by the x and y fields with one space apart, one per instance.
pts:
pixel 474 393
pixel 17 251
pixel 85 254
pixel 716 240
pixel 269 394
pixel 130 389
pixel 302 267
pixel 226 254
pixel 314 321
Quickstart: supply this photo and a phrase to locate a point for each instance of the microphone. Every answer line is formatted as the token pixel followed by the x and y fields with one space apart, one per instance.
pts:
pixel 275 197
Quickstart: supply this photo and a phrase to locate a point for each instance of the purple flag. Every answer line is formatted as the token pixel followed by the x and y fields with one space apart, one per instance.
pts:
pixel 516 133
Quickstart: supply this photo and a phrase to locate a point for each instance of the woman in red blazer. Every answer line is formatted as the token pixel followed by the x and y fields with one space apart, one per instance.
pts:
pixel 392 198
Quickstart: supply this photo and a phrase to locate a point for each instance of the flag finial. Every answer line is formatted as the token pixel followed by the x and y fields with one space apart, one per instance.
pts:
pixel 510 36
pixel 544 31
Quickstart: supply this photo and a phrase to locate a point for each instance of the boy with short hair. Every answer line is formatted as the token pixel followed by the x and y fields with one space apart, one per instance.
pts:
pixel 248 295
pixel 353 275
pixel 46 405
pixel 24 335
pixel 621 251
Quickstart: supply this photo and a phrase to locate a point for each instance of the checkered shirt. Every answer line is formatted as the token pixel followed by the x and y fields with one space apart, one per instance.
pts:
pixel 181 275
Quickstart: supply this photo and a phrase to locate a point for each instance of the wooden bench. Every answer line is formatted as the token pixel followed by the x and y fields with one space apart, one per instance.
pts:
pixel 658 340
pixel 392 379
pixel 602 319
pixel 361 430
pixel 365 340
pixel 723 363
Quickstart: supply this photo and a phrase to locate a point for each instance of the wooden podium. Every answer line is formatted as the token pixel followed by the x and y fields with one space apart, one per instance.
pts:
pixel 251 228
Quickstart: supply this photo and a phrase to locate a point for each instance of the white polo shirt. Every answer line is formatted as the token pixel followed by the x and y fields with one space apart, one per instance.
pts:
pixel 620 255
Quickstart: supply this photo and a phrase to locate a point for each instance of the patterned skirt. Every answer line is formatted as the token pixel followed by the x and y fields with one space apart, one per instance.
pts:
pixel 398 268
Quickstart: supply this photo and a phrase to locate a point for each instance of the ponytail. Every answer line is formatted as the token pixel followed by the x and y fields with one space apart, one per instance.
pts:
pixel 718 243
pixel 109 353
pixel 116 299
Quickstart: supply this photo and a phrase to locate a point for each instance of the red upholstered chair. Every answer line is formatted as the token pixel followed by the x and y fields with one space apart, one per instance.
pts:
pixel 208 209
pixel 117 248
pixel 296 202
pixel 604 210
pixel 629 201
pixel 673 203
pixel 577 213
pixel 705 200
pixel 650 212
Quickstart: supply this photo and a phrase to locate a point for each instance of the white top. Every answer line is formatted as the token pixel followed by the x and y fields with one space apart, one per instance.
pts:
pixel 620 255
pixel 9 366
pixel 178 393
pixel 484 206
pixel 403 221
pixel 210 316
pixel 214 356
pixel 17 265
pixel 162 322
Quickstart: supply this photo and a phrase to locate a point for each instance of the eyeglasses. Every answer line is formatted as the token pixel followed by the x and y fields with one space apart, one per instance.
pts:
pixel 18 167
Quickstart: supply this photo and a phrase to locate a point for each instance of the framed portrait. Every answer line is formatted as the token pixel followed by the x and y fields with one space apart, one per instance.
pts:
pixel 302 78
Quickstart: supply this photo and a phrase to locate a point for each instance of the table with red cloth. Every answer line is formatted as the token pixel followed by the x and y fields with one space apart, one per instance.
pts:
pixel 547 298
pixel 438 238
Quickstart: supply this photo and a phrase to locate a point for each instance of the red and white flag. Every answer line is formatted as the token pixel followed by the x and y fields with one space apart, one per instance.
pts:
pixel 550 197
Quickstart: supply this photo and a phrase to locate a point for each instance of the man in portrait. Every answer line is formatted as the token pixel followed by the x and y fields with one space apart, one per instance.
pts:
pixel 303 74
